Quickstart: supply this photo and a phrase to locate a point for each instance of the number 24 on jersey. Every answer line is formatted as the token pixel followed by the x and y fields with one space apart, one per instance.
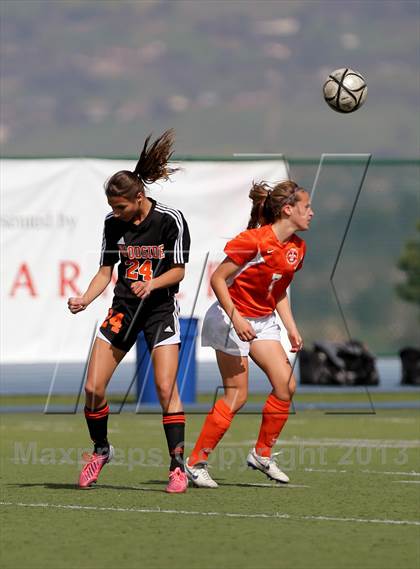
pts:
pixel 135 270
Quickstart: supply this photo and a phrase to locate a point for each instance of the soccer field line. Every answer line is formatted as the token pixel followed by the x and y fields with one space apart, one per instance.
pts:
pixel 328 442
pixel 407 481
pixel 262 485
pixel 365 471
pixel 276 515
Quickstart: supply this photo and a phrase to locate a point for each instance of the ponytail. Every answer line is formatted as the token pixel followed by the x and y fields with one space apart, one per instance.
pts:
pixel 268 201
pixel 153 162
pixel 151 166
pixel 259 194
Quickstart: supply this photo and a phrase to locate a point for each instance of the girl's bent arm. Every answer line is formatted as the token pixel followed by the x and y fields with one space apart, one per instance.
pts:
pixel 96 287
pixel 142 289
pixel 170 278
pixel 218 283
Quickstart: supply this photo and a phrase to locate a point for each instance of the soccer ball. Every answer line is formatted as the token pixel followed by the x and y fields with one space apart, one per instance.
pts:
pixel 345 90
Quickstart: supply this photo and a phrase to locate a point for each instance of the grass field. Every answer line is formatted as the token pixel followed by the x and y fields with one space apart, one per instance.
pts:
pixel 353 500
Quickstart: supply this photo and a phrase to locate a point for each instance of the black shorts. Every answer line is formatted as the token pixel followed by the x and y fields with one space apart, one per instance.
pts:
pixel 158 320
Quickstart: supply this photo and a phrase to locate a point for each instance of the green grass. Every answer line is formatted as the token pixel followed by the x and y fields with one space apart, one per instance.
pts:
pixel 347 467
pixel 320 396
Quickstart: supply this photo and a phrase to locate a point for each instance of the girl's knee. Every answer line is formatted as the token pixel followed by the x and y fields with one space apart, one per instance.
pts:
pixel 285 391
pixel 90 391
pixel 93 396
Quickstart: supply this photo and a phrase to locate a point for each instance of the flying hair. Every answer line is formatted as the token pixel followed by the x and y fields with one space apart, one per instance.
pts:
pixel 153 162
pixel 151 166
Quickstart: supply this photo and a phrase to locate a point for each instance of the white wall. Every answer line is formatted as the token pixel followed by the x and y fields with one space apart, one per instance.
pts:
pixel 51 232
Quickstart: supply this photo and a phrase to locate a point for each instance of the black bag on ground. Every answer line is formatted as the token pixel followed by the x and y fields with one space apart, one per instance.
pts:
pixel 410 360
pixel 317 368
pixel 331 363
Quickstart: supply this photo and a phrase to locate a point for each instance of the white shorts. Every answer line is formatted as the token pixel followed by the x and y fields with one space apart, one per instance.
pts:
pixel 219 333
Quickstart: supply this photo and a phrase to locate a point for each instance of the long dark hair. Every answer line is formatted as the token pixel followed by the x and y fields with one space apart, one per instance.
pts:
pixel 268 201
pixel 151 166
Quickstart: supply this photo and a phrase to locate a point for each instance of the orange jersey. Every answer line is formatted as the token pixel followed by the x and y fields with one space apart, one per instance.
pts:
pixel 266 269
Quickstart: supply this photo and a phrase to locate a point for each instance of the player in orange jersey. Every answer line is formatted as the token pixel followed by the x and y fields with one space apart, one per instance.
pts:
pixel 150 244
pixel 250 285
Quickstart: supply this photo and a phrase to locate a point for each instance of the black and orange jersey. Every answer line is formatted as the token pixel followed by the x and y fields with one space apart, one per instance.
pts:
pixel 146 250
pixel 267 267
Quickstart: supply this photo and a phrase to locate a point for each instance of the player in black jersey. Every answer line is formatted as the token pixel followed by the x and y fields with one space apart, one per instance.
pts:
pixel 150 242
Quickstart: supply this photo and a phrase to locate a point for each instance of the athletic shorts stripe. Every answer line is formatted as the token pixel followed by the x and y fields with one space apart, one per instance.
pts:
pixel 176 337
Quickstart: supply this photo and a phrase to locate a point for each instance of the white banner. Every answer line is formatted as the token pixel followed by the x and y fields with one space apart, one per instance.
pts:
pixel 52 219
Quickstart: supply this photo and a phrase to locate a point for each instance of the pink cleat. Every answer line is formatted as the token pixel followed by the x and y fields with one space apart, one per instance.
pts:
pixel 178 482
pixel 93 466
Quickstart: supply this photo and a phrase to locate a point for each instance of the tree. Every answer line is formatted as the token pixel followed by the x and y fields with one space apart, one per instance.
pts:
pixel 409 262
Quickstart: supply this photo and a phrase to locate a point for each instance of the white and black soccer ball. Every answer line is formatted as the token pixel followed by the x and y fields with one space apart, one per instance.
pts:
pixel 345 90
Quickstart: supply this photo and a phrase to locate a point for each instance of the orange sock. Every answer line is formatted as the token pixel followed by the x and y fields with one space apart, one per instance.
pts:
pixel 275 414
pixel 215 426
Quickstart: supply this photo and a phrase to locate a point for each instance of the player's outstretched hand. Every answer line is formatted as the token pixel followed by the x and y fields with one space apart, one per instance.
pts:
pixel 142 289
pixel 76 304
pixel 295 340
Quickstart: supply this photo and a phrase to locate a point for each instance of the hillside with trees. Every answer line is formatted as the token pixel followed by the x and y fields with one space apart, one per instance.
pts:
pixel 90 78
